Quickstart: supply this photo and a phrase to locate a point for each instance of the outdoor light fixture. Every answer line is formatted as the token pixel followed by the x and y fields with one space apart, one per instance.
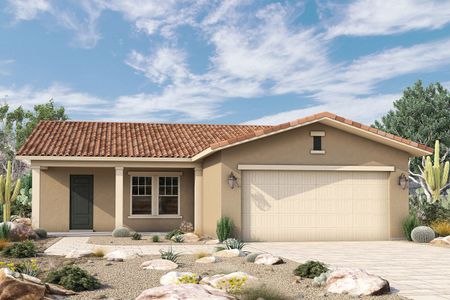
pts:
pixel 232 181
pixel 402 181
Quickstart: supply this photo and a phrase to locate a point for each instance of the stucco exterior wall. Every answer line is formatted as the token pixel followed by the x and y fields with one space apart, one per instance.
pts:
pixel 293 147
pixel 55 198
pixel 212 193
pixel 161 224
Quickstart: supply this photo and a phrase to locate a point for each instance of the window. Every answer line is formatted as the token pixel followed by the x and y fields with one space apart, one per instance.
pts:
pixel 141 195
pixel 168 195
pixel 317 143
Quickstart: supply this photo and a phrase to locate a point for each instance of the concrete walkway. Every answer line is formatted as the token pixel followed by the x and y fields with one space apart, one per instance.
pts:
pixel 420 272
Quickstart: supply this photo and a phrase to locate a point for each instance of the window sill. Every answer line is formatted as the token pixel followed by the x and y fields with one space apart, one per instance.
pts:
pixel 317 152
pixel 155 217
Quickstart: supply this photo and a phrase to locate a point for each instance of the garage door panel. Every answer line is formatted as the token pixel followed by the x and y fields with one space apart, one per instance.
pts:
pixel 314 205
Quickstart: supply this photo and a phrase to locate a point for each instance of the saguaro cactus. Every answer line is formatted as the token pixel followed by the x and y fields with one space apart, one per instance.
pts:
pixel 8 192
pixel 436 174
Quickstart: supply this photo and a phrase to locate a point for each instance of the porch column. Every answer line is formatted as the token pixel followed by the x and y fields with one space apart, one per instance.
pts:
pixel 119 197
pixel 198 205
pixel 35 195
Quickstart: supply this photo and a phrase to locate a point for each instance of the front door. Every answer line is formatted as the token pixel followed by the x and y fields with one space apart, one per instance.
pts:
pixel 81 198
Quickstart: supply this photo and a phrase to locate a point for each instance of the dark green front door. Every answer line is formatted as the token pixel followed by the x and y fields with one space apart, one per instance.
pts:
pixel 81 198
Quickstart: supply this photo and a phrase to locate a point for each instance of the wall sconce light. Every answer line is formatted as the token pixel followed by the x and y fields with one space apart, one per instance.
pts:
pixel 232 181
pixel 402 181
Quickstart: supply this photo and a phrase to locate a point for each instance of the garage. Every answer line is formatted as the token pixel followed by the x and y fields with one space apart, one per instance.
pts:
pixel 315 205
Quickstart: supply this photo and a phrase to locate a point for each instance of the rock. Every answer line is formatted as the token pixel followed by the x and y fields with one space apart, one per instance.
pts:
pixel 68 262
pixel 120 255
pixel 221 281
pixel 206 260
pixel 445 241
pixel 25 221
pixel 159 264
pixel 173 277
pixel 227 253
pixel 20 232
pixel 79 253
pixel 267 259
pixel 14 285
pixel 212 242
pixel 184 292
pixel 190 237
pixel 108 264
pixel 356 282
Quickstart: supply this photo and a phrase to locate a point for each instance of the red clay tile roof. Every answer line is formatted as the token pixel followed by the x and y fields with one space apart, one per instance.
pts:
pixel 114 139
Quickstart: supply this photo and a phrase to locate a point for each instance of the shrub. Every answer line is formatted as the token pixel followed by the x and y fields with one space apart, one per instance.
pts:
pixel 186 226
pixel 260 292
pixel 121 232
pixel 409 223
pixel 136 236
pixel 73 278
pixel 442 228
pixel 252 256
pixel 422 234
pixel 179 238
pixel 98 253
pixel 234 244
pixel 199 255
pixel 155 239
pixel 172 233
pixel 224 228
pixel 170 255
pixel 310 269
pixel 41 233
pixel 232 285
pixel 187 279
pixel 5 229
pixel 20 250
pixel 29 267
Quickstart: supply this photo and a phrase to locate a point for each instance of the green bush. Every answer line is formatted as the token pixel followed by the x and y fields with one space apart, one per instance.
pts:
pixel 29 267
pixel 260 292
pixel 170 255
pixel 224 228
pixel 252 256
pixel 73 278
pixel 136 236
pixel 179 238
pixel 121 232
pixel 173 233
pixel 310 269
pixel 409 223
pixel 155 239
pixel 20 250
pixel 234 244
pixel 41 233
pixel 5 229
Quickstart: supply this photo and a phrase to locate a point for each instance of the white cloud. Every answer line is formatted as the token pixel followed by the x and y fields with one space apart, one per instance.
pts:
pixel 380 17
pixel 27 9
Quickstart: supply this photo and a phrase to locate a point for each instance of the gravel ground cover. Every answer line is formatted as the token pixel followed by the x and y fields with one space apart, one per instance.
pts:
pixel 126 280
pixel 127 241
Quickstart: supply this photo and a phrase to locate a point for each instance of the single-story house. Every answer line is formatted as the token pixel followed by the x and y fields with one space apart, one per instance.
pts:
pixel 322 177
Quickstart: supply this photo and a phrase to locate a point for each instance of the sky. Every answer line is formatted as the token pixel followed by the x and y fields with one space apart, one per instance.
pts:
pixel 230 62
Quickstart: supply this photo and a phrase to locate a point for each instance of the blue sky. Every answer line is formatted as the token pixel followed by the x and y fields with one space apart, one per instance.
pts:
pixel 236 61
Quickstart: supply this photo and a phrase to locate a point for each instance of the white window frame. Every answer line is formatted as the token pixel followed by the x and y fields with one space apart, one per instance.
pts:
pixel 155 194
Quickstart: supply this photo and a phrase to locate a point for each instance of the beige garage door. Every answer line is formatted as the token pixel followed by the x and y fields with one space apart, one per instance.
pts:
pixel 314 205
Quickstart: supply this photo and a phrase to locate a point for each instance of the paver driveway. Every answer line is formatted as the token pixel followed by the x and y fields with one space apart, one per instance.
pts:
pixel 418 271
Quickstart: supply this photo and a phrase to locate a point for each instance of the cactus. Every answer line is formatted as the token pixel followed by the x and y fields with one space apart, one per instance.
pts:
pixel 436 174
pixel 8 192
pixel 422 234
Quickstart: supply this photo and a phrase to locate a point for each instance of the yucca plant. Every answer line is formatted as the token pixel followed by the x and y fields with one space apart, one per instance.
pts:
pixel 170 255
pixel 234 244
pixel 409 223
pixel 5 229
pixel 224 228
pixel 8 192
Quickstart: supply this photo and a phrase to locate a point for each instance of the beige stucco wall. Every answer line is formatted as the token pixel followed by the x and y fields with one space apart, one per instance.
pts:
pixel 212 189
pixel 293 147
pixel 161 224
pixel 55 198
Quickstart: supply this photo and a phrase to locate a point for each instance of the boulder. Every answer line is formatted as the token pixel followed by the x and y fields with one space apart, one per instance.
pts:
pixel 228 253
pixel 445 241
pixel 356 282
pixel 190 237
pixel 212 242
pixel 184 292
pixel 14 285
pixel 206 260
pixel 159 264
pixel 79 253
pixel 267 259
pixel 20 232
pixel 223 282
pixel 173 277
pixel 120 255
pixel 25 221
